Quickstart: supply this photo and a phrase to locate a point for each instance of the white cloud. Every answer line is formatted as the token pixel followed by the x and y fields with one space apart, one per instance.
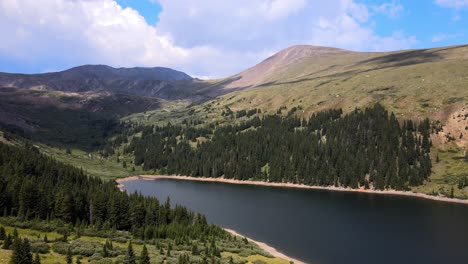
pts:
pixel 392 10
pixel 452 3
pixel 82 32
pixel 203 38
pixel 441 37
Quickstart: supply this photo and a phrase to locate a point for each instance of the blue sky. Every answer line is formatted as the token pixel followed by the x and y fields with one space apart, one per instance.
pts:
pixel 148 9
pixel 212 38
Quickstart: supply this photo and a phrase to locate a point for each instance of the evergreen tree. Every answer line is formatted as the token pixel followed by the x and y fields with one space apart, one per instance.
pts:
pixel 17 255
pixel 27 255
pixel 130 256
pixel 69 256
pixel 144 258
pixel 2 233
pixel 7 243
pixel 21 252
pixel 105 253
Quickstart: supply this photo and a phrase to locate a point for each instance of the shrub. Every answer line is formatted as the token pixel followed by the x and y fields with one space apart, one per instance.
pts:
pixel 39 246
pixel 78 247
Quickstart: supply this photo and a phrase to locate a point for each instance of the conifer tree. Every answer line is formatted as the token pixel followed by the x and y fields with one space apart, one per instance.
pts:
pixel 27 255
pixel 69 256
pixel 105 253
pixel 21 252
pixel 17 255
pixel 2 233
pixel 130 256
pixel 7 243
pixel 144 258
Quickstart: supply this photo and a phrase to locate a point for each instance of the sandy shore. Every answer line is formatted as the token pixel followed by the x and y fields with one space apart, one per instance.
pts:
pixel 288 185
pixel 267 248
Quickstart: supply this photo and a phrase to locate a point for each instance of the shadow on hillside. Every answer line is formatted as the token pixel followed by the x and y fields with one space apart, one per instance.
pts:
pixel 400 59
pixel 404 58
pixel 219 88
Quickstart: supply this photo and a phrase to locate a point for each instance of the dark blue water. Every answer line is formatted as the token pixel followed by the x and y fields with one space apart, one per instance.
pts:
pixel 328 227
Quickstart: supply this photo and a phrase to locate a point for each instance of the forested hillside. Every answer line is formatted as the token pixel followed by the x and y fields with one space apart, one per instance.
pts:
pixel 34 186
pixel 79 213
pixel 367 148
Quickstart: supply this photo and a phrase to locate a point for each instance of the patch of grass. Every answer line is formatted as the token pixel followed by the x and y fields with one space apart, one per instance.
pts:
pixel 92 162
pixel 33 234
pixel 5 255
pixel 235 247
pixel 253 258
pixel 452 166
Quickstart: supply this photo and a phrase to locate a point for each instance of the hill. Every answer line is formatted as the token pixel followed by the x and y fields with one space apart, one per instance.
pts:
pixel 413 84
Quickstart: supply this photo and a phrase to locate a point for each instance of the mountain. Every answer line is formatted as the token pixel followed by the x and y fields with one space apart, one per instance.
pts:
pixel 283 64
pixel 81 106
pixel 412 83
pixel 154 82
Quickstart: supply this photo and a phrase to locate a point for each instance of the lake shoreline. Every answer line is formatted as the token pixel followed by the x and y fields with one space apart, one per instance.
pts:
pixel 265 247
pixel 120 185
pixel 271 250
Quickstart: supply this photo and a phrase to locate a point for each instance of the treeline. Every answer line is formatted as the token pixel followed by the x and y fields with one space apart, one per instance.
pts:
pixel 364 148
pixel 34 186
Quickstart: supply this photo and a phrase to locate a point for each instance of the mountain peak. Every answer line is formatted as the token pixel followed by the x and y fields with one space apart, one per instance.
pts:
pixel 139 73
pixel 277 64
pixel 308 51
pixel 155 82
pixel 294 53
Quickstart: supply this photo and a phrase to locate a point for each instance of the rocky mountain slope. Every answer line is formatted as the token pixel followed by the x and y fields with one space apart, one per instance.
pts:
pixel 153 82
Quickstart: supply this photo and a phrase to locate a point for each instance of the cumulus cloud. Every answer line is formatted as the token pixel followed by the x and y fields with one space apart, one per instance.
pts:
pixel 203 38
pixel 452 3
pixel 392 9
pixel 82 32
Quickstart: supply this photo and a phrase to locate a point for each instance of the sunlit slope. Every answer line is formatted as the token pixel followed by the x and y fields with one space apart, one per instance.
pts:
pixel 411 83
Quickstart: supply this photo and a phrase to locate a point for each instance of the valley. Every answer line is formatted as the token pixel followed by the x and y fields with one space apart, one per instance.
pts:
pixel 311 117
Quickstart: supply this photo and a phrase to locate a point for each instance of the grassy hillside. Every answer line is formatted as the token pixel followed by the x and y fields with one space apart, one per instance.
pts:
pixel 411 83
pixel 89 247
